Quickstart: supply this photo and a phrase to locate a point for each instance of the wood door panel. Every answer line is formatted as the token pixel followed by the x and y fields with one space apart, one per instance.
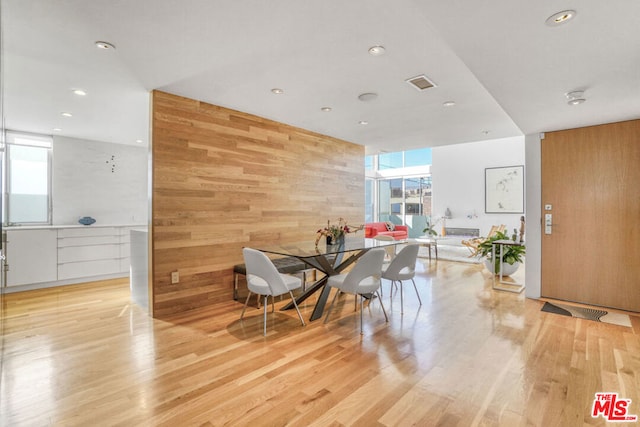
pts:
pixel 591 177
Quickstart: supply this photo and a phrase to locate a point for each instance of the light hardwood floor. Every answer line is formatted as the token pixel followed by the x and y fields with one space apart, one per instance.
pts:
pixel 85 355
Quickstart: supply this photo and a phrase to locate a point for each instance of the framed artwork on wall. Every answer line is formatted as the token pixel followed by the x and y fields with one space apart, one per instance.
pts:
pixel 504 190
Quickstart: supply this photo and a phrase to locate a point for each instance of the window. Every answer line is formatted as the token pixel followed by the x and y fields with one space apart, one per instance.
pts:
pixel 418 195
pixel 399 189
pixel 412 208
pixel 403 159
pixel 369 207
pixel 390 160
pixel 28 174
pixel 368 163
pixel 390 200
pixel 419 157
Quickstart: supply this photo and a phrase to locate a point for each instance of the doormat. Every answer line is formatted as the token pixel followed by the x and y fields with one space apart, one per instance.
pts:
pixel 587 313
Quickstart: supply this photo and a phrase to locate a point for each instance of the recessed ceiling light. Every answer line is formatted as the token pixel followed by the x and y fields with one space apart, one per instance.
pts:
pixel 366 97
pixel 66 114
pixel 449 104
pixel 575 97
pixel 377 50
pixel 79 92
pixel 363 122
pixel 326 109
pixel 277 91
pixel 486 132
pixel 57 129
pixel 139 141
pixel 104 45
pixel 560 18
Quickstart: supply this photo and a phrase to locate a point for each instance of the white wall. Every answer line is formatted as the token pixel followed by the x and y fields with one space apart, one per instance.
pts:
pixel 533 173
pixel 103 180
pixel 458 182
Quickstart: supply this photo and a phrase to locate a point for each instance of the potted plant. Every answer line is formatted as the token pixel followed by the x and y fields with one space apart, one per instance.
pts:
pixel 511 255
pixel 430 232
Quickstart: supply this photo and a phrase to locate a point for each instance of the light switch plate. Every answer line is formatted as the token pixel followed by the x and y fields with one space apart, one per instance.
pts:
pixel 547 207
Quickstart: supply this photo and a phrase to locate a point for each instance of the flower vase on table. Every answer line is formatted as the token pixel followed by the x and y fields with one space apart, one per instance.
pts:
pixel 335 234
pixel 333 240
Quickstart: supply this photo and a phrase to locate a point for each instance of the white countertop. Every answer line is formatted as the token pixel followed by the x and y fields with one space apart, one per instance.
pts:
pixel 55 227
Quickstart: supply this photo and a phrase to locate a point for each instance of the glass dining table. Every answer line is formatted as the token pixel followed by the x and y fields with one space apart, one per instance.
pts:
pixel 328 259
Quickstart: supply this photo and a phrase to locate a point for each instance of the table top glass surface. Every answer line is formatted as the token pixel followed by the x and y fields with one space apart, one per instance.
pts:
pixel 308 248
pixel 427 239
pixel 506 243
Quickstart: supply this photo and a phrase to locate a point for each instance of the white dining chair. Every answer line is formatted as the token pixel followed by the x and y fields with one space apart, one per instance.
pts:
pixel 403 267
pixel 264 279
pixel 390 250
pixel 363 279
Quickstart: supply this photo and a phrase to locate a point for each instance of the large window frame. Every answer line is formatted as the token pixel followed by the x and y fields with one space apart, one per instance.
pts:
pixel 389 186
pixel 16 141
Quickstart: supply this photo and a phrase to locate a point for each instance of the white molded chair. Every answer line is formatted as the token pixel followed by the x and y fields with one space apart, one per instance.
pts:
pixel 263 278
pixel 390 250
pixel 364 278
pixel 403 267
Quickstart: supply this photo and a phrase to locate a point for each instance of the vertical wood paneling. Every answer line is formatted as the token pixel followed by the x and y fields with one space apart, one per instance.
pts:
pixel 223 180
pixel 591 177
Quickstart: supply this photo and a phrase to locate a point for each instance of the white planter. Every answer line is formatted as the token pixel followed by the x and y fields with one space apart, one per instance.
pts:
pixel 507 269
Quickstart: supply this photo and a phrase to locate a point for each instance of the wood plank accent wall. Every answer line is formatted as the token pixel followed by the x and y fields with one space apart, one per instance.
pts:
pixel 222 180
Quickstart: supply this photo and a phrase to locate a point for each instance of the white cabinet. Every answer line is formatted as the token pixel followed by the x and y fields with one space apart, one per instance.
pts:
pixel 125 248
pixel 92 251
pixel 31 256
pixel 43 256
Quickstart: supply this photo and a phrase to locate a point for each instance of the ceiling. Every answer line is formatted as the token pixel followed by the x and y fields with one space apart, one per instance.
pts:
pixel 506 71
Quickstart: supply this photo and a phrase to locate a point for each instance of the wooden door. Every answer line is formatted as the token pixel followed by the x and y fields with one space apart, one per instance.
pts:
pixel 591 179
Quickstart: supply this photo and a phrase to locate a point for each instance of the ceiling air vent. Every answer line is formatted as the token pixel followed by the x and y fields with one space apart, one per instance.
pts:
pixel 420 82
